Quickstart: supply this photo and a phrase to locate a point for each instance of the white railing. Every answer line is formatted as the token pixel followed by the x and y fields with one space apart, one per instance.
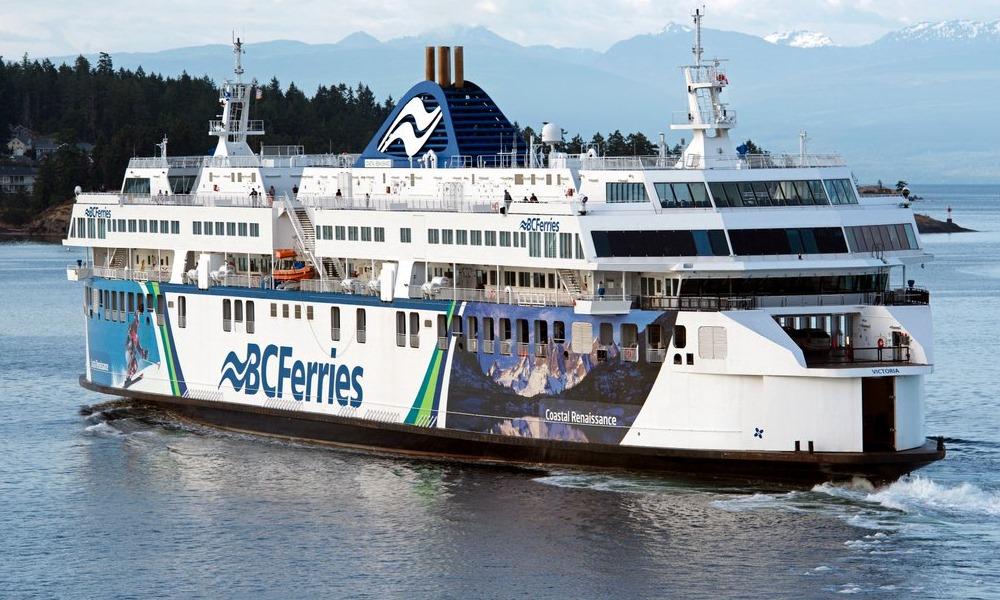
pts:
pixel 398 203
pixel 243 281
pixel 342 160
pixel 519 296
pixel 130 274
pixel 220 200
pixel 696 161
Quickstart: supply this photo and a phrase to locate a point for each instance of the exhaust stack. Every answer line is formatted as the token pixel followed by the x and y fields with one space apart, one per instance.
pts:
pixel 459 67
pixel 444 66
pixel 429 63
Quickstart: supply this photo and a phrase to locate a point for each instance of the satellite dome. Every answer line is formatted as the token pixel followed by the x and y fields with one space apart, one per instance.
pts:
pixel 551 134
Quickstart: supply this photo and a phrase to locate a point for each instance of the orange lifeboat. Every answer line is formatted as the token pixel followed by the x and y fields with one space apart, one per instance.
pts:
pixel 284 253
pixel 293 274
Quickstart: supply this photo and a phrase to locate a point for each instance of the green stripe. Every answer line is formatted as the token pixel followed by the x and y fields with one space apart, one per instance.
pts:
pixel 423 405
pixel 165 338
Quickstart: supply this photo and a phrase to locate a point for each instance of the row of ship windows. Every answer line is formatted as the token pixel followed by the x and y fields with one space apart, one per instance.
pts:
pixel 754 242
pixel 227 228
pixel 355 233
pixel 737 194
pixel 486 334
pixel 121 306
pixel 98 228
pixel 489 335
pixel 551 244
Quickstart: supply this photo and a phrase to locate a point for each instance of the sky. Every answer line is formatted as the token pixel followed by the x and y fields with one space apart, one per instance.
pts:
pixel 62 27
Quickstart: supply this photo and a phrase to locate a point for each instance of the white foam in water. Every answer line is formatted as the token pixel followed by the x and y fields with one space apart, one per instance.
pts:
pixel 914 494
pixel 102 429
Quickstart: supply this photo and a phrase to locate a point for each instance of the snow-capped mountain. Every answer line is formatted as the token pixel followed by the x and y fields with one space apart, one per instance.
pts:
pixel 799 39
pixel 947 31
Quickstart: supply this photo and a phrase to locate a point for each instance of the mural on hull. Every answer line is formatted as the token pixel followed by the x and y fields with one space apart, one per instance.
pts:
pixel 590 396
pixel 125 342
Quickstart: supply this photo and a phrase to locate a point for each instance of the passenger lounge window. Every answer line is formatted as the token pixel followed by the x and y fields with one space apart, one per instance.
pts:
pixel 227 315
pixel 362 326
pixel 335 323
pixel 181 310
pixel 414 330
pixel 250 317
pixel 401 329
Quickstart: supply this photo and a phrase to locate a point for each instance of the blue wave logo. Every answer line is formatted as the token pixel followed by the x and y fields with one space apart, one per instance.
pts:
pixel 242 373
pixel 413 138
pixel 536 224
pixel 274 368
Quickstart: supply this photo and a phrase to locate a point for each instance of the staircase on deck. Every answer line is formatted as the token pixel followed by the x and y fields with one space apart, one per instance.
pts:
pixel 305 241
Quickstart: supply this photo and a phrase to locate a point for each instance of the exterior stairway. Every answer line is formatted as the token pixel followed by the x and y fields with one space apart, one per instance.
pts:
pixel 305 236
pixel 119 260
pixel 569 280
pixel 330 268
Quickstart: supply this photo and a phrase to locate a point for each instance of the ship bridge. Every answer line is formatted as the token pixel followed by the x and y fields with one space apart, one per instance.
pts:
pixel 445 123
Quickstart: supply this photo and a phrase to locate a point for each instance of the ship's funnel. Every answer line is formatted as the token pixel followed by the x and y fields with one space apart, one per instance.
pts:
pixel 429 63
pixel 459 67
pixel 444 66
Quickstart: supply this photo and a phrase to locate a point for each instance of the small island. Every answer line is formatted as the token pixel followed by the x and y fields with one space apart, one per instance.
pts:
pixel 928 224
pixel 925 223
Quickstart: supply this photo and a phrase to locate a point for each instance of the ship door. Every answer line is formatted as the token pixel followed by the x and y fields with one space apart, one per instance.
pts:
pixel 878 413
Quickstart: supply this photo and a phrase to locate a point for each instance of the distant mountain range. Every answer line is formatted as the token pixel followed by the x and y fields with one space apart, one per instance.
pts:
pixel 917 104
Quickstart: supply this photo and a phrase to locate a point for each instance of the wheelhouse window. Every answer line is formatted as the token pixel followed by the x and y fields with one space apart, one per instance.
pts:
pixel 682 195
pixel 768 193
pixel 138 186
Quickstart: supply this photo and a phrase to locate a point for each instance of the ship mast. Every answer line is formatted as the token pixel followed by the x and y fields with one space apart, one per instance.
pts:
pixel 235 125
pixel 707 117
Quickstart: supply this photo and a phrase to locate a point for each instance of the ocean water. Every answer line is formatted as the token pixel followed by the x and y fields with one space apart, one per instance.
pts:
pixel 103 500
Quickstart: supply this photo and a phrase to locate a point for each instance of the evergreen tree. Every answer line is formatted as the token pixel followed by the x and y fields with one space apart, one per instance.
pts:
pixel 124 113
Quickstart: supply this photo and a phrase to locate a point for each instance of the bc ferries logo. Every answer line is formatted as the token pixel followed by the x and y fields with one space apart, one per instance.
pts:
pixel 539 225
pixel 413 138
pixel 275 371
pixel 100 213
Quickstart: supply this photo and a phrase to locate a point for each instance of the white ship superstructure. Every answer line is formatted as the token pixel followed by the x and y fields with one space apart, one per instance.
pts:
pixel 456 291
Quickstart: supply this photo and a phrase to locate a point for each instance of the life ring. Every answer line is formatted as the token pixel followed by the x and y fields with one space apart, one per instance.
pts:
pixel 496 207
pixel 569 193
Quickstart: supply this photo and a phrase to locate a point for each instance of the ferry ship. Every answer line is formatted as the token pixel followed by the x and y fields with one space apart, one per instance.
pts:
pixel 458 292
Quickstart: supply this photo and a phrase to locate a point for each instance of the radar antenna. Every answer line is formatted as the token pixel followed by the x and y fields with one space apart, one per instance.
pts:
pixel 697 50
pixel 238 52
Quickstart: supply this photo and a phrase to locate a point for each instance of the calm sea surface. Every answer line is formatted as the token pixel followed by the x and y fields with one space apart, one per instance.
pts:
pixel 105 502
